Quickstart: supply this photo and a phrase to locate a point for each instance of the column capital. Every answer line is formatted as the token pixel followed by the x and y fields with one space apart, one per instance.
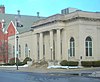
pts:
pixel 41 33
pixel 59 28
pixel 51 29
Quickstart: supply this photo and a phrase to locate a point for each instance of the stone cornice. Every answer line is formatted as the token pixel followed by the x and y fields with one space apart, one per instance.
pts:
pixel 43 24
pixel 64 18
pixel 68 20
pixel 83 19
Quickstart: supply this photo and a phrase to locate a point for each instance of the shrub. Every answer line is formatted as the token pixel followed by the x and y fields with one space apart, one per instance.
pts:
pixel 0 64
pixel 69 63
pixel 21 64
pixel 87 63
pixel 26 59
pixel 90 63
pixel 72 63
pixel 12 61
pixel 7 64
pixel 63 63
pixel 96 63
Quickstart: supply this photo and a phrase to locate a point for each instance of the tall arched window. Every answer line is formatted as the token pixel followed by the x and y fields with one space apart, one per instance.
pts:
pixel 26 50
pixel 72 47
pixel 88 46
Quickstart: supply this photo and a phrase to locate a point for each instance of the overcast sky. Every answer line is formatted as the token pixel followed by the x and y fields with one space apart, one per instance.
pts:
pixel 48 7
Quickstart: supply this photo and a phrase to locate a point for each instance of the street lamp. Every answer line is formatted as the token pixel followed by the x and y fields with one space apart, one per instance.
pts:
pixel 17 51
pixel 51 53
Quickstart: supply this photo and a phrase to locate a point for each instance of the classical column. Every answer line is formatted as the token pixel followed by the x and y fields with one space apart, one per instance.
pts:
pixel 41 46
pixel 51 44
pixel 58 45
pixel 36 47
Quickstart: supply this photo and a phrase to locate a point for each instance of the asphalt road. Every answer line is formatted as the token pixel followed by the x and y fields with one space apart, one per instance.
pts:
pixel 13 76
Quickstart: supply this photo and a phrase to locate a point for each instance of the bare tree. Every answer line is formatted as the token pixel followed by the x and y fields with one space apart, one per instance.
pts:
pixel 4 52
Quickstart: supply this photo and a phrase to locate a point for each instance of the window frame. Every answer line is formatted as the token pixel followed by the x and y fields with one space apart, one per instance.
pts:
pixel 88 46
pixel 72 47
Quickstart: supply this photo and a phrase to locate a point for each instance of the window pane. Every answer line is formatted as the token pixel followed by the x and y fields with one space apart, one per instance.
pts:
pixel 73 51
pixel 86 44
pixel 73 45
pixel 90 51
pixel 88 39
pixel 86 51
pixel 72 39
pixel 70 51
pixel 90 44
pixel 70 44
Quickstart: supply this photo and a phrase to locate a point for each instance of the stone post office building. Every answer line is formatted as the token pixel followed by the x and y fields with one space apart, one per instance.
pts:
pixel 71 36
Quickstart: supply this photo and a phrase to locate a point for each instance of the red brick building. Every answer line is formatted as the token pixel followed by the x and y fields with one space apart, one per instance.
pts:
pixel 3 45
pixel 9 23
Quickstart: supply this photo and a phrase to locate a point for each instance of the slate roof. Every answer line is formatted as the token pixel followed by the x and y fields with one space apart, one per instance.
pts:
pixel 25 20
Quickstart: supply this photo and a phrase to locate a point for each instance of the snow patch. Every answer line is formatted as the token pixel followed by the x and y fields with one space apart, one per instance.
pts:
pixel 14 66
pixel 64 67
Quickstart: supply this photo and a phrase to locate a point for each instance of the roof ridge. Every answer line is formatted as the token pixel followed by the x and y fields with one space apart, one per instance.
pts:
pixel 20 15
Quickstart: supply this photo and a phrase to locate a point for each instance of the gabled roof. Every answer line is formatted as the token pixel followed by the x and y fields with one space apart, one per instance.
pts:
pixel 11 29
pixel 26 21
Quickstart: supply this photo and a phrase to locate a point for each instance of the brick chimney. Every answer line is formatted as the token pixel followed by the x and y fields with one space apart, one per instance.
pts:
pixel 2 9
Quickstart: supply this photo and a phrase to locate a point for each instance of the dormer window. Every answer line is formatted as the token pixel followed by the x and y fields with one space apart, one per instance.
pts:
pixel 19 24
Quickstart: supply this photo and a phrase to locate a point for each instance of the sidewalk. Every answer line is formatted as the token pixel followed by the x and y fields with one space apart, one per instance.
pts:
pixel 94 72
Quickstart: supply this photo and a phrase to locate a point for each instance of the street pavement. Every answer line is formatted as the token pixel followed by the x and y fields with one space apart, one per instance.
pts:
pixel 15 76
pixel 31 74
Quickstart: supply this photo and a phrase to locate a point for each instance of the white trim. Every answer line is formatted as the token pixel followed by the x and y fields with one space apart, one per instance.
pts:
pixel 14 27
pixel 15 48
